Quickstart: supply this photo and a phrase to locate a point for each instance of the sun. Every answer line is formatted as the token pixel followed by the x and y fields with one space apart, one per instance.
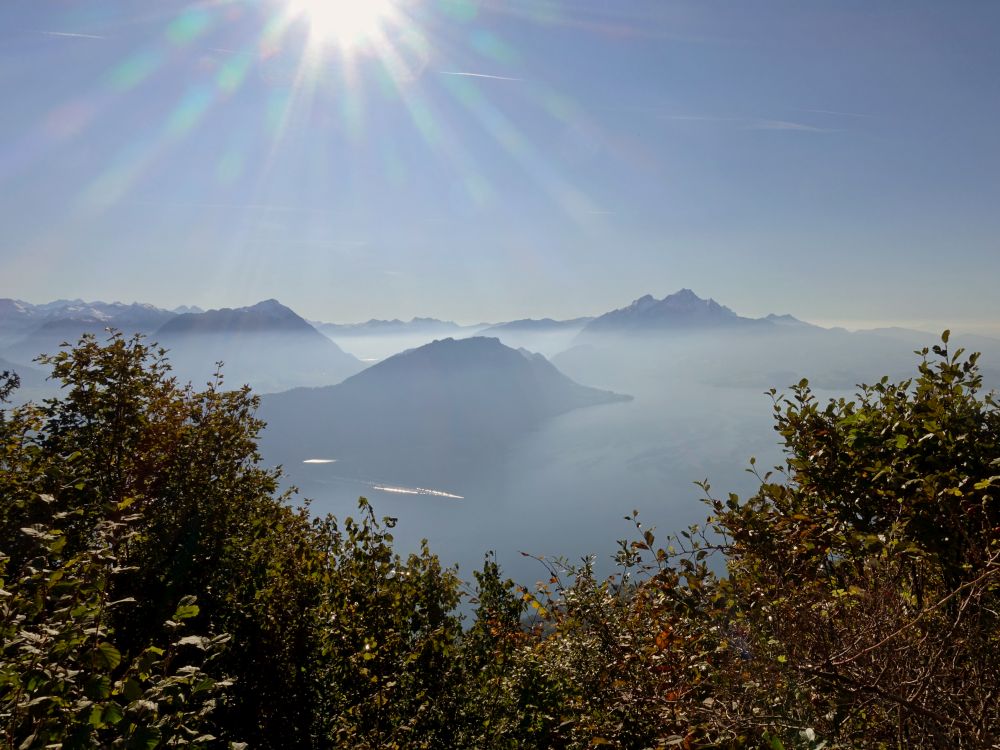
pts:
pixel 348 24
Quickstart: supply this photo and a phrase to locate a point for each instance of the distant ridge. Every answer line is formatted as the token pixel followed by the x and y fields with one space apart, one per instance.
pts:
pixel 375 327
pixel 788 320
pixel 141 315
pixel 534 325
pixel 28 330
pixel 18 319
pixel 683 310
pixel 266 345
pixel 29 376
pixel 269 315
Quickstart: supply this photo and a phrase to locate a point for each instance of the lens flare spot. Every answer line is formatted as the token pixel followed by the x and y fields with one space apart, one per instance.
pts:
pixel 230 168
pixel 189 26
pixel 135 70
pixel 232 74
pixel 459 10
pixel 190 110
pixel 493 47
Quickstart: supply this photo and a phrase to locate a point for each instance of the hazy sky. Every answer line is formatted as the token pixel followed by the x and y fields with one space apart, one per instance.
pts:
pixel 497 159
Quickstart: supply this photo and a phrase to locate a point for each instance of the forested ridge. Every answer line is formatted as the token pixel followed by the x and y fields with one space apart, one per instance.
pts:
pixel 157 589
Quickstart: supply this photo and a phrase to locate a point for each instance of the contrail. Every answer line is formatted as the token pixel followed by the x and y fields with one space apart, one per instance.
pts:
pixel 72 34
pixel 477 75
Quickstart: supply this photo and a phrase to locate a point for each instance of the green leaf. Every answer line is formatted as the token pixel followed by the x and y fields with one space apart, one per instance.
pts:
pixel 145 738
pixel 112 713
pixel 132 690
pixel 98 687
pixel 107 655
pixel 186 609
pixel 986 483
pixel 95 720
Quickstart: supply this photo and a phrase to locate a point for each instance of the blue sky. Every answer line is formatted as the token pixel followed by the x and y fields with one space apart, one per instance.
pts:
pixel 504 158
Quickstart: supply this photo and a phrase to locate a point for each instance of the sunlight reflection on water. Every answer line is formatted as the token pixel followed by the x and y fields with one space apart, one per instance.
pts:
pixel 392 489
pixel 415 491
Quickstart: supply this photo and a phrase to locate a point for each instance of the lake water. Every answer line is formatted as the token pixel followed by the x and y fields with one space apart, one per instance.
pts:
pixel 564 489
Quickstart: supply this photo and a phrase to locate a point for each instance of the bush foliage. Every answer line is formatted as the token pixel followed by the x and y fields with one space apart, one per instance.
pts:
pixel 157 590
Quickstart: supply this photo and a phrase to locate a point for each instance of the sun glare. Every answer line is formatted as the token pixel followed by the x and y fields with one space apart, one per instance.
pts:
pixel 348 24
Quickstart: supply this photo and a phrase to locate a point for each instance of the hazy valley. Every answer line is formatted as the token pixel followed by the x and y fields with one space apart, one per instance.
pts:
pixel 477 441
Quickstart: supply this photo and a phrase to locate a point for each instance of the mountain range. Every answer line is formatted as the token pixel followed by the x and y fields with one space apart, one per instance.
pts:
pixel 270 347
pixel 28 330
pixel 266 345
pixel 533 325
pixel 682 311
pixel 375 327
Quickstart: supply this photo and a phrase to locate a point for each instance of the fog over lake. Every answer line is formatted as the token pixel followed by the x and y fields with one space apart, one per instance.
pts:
pixel 700 411
pixel 475 443
pixel 564 488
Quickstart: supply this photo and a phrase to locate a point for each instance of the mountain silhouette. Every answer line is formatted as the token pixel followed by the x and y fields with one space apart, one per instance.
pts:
pixel 376 327
pixel 536 325
pixel 683 310
pixel 267 346
pixel 29 330
pixel 543 335
pixel 424 411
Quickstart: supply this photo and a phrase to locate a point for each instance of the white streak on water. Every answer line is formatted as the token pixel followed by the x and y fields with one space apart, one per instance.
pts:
pixel 383 487
pixel 415 491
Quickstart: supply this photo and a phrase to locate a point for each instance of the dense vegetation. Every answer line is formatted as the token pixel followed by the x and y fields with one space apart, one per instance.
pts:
pixel 157 590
